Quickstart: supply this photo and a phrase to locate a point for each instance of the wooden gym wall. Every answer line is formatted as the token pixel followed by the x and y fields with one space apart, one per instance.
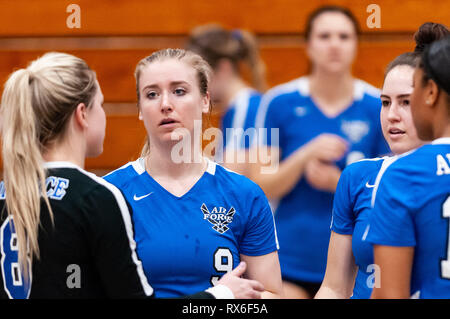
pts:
pixel 114 35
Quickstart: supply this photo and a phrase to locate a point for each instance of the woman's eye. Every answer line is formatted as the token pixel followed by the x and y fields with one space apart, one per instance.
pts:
pixel 385 103
pixel 324 36
pixel 405 102
pixel 344 36
pixel 151 94
pixel 179 91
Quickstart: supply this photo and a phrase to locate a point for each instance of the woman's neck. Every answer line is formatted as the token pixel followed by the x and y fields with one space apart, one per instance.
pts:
pixel 331 86
pixel 233 88
pixel 331 92
pixel 164 162
pixel 65 152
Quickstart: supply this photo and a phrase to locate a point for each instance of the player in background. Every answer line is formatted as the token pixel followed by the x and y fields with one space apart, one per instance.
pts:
pixel 194 220
pixel 325 121
pixel 409 223
pixel 51 120
pixel 231 54
pixel 348 255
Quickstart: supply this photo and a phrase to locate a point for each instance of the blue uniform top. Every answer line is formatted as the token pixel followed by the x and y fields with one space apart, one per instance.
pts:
pixel 351 209
pixel 238 122
pixel 303 216
pixel 187 243
pixel 411 207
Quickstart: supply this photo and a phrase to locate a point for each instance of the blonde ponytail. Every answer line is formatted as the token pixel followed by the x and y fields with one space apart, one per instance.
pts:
pixel 24 176
pixel 36 105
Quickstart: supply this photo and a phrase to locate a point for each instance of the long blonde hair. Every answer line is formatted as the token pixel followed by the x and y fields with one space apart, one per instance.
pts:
pixel 36 105
pixel 194 60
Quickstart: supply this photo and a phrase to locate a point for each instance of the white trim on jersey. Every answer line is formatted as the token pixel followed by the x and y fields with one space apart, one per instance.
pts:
pixel 387 162
pixel 139 165
pixel 126 216
pixel 441 140
pixel 121 167
pixel 211 168
pixel 301 85
pixel 361 87
pixel 374 159
pixel 241 102
pixel 285 88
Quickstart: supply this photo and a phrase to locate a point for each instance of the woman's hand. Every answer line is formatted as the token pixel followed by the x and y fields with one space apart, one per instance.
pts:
pixel 241 288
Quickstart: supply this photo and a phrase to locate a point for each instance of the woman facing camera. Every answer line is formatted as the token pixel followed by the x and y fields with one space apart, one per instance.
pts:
pixel 409 226
pixel 325 121
pixel 194 220
pixel 75 239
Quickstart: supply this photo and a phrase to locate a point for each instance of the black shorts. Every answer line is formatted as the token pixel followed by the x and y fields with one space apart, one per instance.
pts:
pixel 310 287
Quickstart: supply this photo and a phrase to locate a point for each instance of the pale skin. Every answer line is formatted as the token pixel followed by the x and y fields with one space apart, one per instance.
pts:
pixel 430 111
pixel 169 89
pixel 84 137
pixel 400 133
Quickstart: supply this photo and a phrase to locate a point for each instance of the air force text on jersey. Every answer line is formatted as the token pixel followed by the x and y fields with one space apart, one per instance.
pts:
pixel 443 166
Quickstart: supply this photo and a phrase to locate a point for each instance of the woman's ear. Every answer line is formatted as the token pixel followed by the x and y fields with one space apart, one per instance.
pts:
pixel 206 103
pixel 432 93
pixel 80 116
pixel 139 112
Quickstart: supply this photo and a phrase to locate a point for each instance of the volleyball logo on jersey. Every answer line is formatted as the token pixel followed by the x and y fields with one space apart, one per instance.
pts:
pixel 355 130
pixel 218 217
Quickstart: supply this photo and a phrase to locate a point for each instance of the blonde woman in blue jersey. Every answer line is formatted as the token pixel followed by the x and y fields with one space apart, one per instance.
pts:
pixel 194 220
pixel 231 54
pixel 409 223
pixel 325 121
pixel 80 227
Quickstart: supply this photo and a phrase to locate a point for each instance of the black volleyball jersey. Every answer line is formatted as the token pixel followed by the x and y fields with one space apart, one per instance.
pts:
pixel 88 252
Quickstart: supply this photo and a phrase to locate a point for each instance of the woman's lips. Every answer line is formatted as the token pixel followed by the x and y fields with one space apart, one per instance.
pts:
pixel 395 133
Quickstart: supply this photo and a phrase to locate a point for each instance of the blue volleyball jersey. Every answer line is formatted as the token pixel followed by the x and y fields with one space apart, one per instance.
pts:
pixel 411 207
pixel 303 216
pixel 238 122
pixel 351 209
pixel 187 243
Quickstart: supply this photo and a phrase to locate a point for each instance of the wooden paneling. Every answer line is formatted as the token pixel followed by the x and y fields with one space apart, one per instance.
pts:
pixel 141 17
pixel 115 68
pixel 125 137
pixel 116 34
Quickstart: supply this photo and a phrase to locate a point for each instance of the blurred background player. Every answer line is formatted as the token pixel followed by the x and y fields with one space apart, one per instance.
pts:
pixel 198 218
pixel 348 254
pixel 52 119
pixel 233 55
pixel 326 120
pixel 409 223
